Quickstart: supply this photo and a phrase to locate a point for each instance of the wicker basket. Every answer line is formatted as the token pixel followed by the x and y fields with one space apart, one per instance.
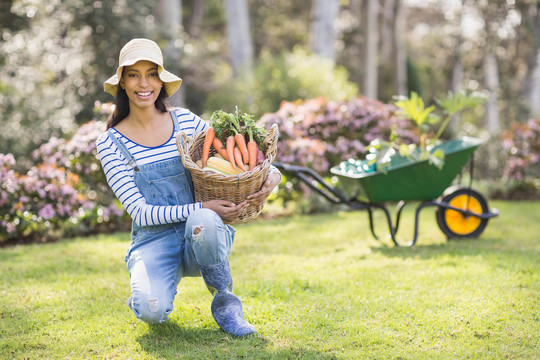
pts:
pixel 210 185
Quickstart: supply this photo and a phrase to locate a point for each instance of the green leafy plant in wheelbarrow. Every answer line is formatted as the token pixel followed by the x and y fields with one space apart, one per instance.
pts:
pixel 423 117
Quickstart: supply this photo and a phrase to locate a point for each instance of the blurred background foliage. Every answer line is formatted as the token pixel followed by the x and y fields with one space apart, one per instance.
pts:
pixel 55 55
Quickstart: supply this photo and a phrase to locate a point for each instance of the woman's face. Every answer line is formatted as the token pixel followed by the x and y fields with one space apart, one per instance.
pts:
pixel 142 83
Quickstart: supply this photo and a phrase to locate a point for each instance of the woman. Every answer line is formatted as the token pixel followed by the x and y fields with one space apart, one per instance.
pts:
pixel 172 235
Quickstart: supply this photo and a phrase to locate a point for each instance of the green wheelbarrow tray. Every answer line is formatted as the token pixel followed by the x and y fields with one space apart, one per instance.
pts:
pixel 406 179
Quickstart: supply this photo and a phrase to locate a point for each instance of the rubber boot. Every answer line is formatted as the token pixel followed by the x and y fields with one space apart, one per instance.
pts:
pixel 226 307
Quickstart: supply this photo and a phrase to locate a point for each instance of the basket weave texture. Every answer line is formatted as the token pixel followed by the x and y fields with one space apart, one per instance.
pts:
pixel 211 185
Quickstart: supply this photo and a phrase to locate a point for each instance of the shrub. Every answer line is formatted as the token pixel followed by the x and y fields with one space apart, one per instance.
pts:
pixel 522 143
pixel 64 194
pixel 78 157
pixel 521 167
pixel 36 205
pixel 288 76
pixel 320 133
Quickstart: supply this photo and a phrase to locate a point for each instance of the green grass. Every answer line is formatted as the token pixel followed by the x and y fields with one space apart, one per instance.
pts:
pixel 315 287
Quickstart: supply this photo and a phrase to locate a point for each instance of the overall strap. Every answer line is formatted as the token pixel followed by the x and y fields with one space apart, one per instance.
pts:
pixel 123 149
pixel 175 119
pixel 175 123
pixel 187 173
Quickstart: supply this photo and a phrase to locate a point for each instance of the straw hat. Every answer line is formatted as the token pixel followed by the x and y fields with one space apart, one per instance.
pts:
pixel 137 50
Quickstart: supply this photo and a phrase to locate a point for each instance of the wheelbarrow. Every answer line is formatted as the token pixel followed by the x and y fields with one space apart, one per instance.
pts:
pixel 461 211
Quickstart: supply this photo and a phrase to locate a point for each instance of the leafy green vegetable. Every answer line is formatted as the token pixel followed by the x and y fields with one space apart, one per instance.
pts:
pixel 226 124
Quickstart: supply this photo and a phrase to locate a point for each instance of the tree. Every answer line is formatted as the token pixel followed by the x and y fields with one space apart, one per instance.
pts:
pixel 400 55
pixel 491 13
pixel 196 18
pixel 239 36
pixel 491 83
pixel 371 54
pixel 171 22
pixel 53 65
pixel 531 17
pixel 323 31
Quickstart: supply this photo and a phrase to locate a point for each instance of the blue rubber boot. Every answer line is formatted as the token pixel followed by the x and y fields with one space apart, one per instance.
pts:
pixel 226 307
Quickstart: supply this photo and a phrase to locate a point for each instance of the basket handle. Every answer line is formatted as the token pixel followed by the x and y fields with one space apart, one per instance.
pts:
pixel 181 139
pixel 271 141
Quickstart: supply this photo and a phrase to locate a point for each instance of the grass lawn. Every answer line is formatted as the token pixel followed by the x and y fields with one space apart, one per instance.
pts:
pixel 315 287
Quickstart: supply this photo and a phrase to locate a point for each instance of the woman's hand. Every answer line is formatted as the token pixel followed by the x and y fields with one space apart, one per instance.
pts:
pixel 227 210
pixel 260 196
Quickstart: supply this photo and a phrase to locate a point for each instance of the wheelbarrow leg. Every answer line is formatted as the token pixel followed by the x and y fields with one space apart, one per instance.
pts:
pixel 370 215
pixel 399 208
pixel 388 220
pixel 417 218
pixel 393 229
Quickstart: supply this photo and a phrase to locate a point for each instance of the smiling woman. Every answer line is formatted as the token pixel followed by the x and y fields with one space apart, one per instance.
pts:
pixel 173 236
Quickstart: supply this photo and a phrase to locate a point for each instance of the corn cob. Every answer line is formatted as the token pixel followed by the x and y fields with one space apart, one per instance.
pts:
pixel 223 166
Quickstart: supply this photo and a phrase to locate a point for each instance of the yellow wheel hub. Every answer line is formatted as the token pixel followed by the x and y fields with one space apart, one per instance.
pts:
pixel 460 223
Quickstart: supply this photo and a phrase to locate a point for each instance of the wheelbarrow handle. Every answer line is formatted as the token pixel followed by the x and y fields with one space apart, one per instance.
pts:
pixel 311 179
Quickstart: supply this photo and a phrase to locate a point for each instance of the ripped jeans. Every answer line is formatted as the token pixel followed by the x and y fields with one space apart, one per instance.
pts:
pixel 161 255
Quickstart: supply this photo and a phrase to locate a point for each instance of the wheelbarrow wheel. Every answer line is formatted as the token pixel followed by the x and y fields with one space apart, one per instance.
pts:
pixel 456 224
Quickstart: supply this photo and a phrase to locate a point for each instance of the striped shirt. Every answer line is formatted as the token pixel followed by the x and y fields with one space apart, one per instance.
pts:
pixel 120 176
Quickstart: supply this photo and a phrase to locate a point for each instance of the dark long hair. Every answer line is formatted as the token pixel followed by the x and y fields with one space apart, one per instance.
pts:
pixel 122 106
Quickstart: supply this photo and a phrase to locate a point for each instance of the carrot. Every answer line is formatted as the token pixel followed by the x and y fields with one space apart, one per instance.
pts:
pixel 218 145
pixel 238 158
pixel 230 150
pixel 241 142
pixel 252 151
pixel 210 134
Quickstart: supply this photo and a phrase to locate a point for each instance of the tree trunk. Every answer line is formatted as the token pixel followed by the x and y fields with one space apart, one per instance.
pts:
pixel 370 62
pixel 400 58
pixel 386 78
pixel 457 73
pixel 387 30
pixel 171 21
pixel 532 86
pixel 491 78
pixel 323 28
pixel 534 92
pixel 239 37
pixel 196 18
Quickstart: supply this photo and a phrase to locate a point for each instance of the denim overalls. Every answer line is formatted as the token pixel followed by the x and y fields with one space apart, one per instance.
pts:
pixel 160 255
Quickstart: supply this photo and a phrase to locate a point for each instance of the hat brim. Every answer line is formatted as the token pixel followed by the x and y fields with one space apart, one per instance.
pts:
pixel 171 82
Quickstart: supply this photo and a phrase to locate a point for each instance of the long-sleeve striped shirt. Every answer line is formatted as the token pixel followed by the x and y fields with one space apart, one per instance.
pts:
pixel 120 176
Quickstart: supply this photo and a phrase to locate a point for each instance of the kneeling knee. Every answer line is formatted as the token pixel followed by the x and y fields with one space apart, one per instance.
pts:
pixel 151 312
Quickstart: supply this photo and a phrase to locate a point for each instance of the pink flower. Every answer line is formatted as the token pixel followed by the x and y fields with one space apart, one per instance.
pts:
pixel 47 212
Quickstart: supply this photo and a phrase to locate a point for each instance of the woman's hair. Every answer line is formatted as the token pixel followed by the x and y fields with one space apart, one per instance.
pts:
pixel 122 106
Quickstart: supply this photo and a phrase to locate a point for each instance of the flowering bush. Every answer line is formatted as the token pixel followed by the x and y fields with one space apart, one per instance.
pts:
pixel 9 184
pixel 320 133
pixel 37 202
pixel 66 192
pixel 522 143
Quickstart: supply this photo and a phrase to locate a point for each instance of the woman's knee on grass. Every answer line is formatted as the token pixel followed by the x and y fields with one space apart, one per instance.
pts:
pixel 151 310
